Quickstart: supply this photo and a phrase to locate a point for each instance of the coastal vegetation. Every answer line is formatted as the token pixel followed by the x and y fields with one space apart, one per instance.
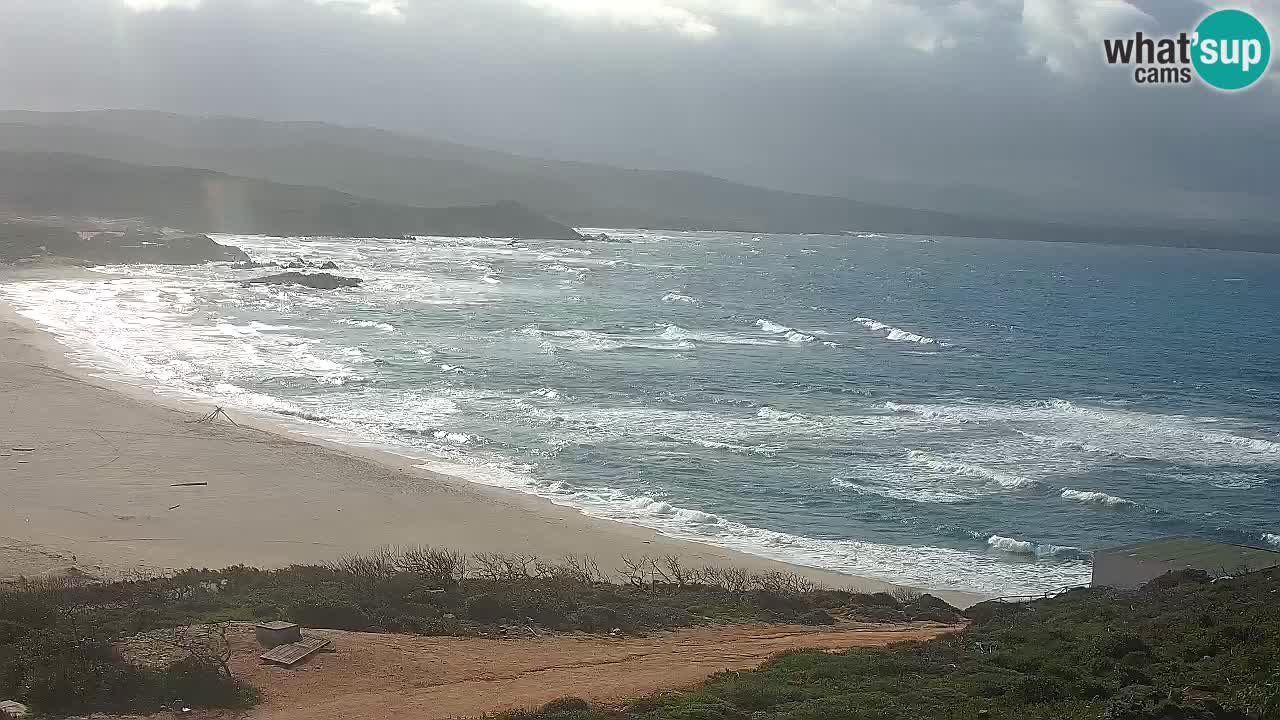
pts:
pixel 1183 647
pixel 59 640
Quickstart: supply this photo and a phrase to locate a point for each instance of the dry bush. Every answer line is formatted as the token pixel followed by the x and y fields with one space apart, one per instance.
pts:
pixel 673 571
pixel 905 596
pixel 731 579
pixel 447 567
pixel 776 581
pixel 501 566
pixel 379 564
pixel 635 569
pixel 583 570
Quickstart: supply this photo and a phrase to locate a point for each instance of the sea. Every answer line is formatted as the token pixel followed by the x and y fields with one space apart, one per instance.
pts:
pixel 948 413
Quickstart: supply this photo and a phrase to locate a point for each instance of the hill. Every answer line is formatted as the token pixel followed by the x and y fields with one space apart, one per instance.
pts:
pixel 402 169
pixel 203 201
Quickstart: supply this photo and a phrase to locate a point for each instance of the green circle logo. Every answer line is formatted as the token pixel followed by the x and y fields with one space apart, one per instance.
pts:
pixel 1232 49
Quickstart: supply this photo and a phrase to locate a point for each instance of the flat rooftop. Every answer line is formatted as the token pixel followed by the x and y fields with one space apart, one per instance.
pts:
pixel 1204 554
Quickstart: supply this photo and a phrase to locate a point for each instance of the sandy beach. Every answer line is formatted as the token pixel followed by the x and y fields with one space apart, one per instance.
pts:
pixel 98 476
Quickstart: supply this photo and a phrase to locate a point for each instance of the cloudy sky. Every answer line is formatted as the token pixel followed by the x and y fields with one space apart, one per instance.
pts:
pixel 810 95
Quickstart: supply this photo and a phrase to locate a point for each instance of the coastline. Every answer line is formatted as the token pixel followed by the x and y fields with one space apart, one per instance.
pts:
pixel 99 493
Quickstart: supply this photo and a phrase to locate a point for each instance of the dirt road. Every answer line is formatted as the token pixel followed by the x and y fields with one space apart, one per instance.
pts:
pixel 374 676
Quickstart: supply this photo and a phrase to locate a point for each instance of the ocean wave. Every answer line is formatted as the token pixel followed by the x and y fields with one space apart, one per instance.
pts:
pixel 895 334
pixel 1066 443
pixel 1096 498
pixel 1271 539
pixel 790 333
pixel 675 297
pixel 546 393
pixel 1120 433
pixel 918 566
pixel 956 467
pixel 768 413
pixel 1022 547
pixel 262 402
pixel 675 332
pixel 907 492
pixel 383 326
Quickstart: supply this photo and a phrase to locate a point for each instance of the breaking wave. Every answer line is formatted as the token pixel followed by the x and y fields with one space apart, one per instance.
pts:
pixel 945 465
pixel 385 327
pixel 791 334
pixel 1023 547
pixel 895 334
pixel 674 297
pixel 1271 539
pixel 1096 498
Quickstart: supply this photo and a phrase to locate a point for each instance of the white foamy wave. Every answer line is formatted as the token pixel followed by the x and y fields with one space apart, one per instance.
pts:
pixel 768 413
pixel 765 450
pixel 1271 539
pixel 661 508
pixel 385 327
pixel 907 492
pixel 1022 547
pixel 946 465
pixel 895 334
pixel 249 400
pixel 453 437
pixel 677 333
pixel 674 297
pixel 1096 498
pixel 1123 433
pixel 919 566
pixel 591 340
pixel 1065 443
pixel 791 334
pixel 548 393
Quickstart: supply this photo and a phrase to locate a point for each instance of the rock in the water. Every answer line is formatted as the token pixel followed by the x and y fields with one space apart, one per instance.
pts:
pixel 20 240
pixel 329 265
pixel 319 281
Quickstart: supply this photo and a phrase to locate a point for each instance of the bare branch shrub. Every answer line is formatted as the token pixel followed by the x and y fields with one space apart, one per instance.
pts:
pixel 206 645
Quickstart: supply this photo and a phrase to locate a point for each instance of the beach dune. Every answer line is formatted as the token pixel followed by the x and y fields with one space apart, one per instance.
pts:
pixel 107 479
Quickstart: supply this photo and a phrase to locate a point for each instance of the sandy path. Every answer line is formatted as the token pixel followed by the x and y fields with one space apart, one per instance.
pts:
pixel 97 489
pixel 372 676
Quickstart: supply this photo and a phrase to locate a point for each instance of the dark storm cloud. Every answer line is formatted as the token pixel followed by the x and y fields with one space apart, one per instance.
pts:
pixel 801 94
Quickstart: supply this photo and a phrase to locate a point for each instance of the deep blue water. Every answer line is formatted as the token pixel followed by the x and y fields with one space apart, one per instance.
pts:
pixel 954 413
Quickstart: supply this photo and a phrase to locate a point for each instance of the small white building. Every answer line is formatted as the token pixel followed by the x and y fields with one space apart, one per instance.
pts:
pixel 1132 566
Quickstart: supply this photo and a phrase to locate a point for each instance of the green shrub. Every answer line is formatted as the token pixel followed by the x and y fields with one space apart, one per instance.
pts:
pixel 330 613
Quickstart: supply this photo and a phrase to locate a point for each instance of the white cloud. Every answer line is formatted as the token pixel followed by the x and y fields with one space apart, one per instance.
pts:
pixel 151 5
pixel 923 25
pixel 635 13
pixel 387 9
pixel 1067 34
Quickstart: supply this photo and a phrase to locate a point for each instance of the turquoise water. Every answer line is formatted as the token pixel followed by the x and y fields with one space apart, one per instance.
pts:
pixel 963 413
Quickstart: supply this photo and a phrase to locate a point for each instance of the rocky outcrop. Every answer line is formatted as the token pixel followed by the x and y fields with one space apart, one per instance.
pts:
pixel 29 240
pixel 319 281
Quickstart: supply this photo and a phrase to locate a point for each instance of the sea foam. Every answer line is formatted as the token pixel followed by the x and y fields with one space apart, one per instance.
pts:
pixel 895 334
pixel 1096 498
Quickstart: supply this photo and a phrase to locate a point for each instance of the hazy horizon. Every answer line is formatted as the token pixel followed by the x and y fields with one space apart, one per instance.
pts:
pixel 877 101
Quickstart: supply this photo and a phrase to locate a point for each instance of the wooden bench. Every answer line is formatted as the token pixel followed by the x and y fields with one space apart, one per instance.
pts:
pixel 293 653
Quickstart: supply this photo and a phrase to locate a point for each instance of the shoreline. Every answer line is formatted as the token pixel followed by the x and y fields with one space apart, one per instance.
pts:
pixel 99 492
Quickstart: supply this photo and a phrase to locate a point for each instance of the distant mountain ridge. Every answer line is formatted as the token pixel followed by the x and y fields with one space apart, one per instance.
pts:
pixel 198 200
pixel 412 171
